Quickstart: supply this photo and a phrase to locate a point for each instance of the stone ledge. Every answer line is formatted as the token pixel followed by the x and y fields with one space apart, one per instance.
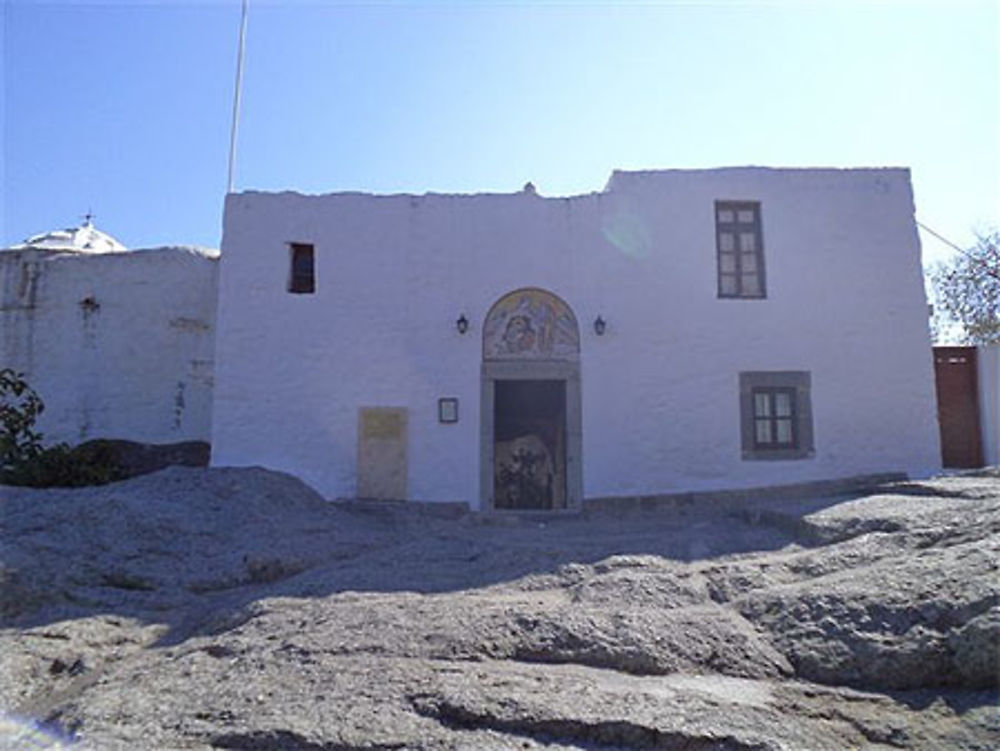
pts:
pixel 725 499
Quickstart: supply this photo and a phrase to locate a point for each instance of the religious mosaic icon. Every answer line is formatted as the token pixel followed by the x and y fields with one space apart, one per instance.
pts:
pixel 531 324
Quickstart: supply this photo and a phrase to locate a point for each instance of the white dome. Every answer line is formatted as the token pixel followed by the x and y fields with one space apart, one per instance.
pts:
pixel 83 239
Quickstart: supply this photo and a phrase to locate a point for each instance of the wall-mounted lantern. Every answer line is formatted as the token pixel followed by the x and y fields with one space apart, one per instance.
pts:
pixel 599 326
pixel 462 324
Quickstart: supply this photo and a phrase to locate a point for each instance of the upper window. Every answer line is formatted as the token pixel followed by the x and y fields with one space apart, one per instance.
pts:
pixel 302 279
pixel 776 414
pixel 740 246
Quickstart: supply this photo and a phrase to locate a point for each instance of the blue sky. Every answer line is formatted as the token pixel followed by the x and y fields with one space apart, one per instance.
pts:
pixel 124 107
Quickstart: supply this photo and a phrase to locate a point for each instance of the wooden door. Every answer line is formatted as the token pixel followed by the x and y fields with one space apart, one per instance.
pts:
pixel 958 406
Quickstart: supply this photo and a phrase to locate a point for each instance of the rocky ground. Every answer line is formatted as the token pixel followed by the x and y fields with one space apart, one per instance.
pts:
pixel 236 609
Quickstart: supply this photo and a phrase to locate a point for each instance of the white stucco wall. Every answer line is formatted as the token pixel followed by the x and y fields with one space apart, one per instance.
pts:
pixel 988 357
pixel 660 389
pixel 137 366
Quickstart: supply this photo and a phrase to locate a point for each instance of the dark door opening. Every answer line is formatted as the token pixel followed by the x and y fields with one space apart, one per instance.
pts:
pixel 529 444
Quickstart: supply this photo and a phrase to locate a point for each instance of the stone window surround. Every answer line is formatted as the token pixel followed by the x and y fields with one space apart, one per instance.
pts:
pixel 798 380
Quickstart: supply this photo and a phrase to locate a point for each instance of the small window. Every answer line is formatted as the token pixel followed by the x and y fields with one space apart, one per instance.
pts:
pixel 776 414
pixel 774 418
pixel 303 273
pixel 740 249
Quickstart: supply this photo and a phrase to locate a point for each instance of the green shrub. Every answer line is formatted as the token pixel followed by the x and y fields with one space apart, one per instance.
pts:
pixel 20 406
pixel 23 460
pixel 64 466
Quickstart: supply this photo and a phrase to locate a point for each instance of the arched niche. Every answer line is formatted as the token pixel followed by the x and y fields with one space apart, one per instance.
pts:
pixel 530 457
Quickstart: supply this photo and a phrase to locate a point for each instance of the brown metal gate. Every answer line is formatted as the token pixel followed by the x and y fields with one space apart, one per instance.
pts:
pixel 958 406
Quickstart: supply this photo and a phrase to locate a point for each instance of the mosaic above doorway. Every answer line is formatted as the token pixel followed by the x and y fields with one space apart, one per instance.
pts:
pixel 531 324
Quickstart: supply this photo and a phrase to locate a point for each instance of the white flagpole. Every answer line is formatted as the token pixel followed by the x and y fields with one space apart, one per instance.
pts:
pixel 236 96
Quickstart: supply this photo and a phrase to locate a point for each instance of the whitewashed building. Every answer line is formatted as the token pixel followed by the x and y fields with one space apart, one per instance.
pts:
pixel 119 343
pixel 679 330
pixel 989 402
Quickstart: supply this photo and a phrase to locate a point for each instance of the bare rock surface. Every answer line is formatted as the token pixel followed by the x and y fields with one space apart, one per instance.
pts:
pixel 237 609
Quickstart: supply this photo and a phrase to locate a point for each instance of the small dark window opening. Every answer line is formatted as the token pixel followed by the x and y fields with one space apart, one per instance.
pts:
pixel 775 419
pixel 303 276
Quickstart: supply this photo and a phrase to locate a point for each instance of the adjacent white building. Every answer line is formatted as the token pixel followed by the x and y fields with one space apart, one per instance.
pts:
pixel 119 343
pixel 680 330
pixel 988 379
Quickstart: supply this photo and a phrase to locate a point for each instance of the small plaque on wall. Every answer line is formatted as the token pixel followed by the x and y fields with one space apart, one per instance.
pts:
pixel 448 410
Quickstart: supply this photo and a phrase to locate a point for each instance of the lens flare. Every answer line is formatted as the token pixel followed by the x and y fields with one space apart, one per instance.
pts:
pixel 627 231
pixel 17 734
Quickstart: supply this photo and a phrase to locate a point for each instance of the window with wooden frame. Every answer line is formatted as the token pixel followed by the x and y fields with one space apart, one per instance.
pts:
pixel 774 418
pixel 302 279
pixel 740 249
pixel 776 414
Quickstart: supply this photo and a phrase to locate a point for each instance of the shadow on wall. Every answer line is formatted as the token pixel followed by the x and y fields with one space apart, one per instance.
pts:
pixel 142 458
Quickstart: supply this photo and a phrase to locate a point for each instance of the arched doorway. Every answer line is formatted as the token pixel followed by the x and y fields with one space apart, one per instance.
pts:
pixel 531 438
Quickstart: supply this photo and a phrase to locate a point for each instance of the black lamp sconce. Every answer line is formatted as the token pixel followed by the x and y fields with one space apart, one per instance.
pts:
pixel 462 324
pixel 599 326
